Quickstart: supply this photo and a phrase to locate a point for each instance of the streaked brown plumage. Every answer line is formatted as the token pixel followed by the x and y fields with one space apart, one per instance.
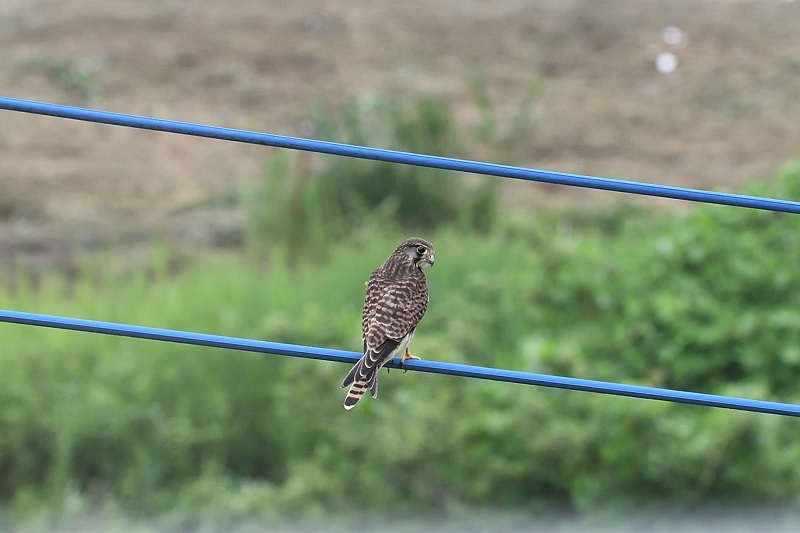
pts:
pixel 397 297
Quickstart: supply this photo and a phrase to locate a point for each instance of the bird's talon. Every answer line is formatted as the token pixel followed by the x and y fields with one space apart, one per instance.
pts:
pixel 406 356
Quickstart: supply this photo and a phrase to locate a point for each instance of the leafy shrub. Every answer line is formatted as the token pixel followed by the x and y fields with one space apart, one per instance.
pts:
pixel 705 300
pixel 308 203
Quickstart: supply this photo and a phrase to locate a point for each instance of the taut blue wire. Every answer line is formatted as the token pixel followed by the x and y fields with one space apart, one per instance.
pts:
pixel 218 341
pixel 446 163
pixel 326 354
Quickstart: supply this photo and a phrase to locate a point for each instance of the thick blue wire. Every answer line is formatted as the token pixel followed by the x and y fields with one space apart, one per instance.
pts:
pixel 678 193
pixel 575 180
pixel 326 354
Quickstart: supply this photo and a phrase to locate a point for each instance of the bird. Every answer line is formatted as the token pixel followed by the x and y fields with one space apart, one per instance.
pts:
pixel 396 301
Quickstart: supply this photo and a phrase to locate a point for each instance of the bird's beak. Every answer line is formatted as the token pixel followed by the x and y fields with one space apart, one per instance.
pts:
pixel 430 259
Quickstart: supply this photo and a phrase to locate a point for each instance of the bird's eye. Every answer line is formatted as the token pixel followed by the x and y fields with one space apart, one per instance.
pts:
pixel 421 250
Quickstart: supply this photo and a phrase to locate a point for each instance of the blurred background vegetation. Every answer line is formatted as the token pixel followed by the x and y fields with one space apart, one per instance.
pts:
pixel 705 300
pixel 107 434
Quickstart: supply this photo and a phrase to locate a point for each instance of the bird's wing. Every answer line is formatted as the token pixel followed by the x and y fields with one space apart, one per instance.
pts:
pixel 392 311
pixel 365 369
pixel 378 346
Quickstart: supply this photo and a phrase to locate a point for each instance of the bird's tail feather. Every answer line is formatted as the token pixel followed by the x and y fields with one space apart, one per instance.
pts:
pixel 359 387
pixel 351 376
pixel 355 393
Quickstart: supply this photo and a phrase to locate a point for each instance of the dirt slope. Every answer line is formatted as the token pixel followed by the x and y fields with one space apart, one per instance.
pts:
pixel 729 112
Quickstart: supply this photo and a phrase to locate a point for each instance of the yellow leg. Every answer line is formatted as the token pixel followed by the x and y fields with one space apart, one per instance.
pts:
pixel 406 356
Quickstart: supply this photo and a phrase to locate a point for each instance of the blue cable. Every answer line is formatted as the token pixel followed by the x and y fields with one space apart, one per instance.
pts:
pixel 217 341
pixel 434 367
pixel 446 163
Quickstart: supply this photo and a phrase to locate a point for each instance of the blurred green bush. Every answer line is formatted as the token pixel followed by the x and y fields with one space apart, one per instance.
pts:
pixel 327 198
pixel 705 300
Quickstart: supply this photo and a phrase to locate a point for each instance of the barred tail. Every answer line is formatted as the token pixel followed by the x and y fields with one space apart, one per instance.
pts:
pixel 355 393
pixel 358 388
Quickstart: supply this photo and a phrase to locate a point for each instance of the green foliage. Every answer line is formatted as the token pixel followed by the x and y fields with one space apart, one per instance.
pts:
pixel 77 79
pixel 417 197
pixel 705 300
pixel 507 131
pixel 307 203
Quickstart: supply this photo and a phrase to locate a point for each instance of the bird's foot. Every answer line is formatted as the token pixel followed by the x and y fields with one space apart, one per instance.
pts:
pixel 406 356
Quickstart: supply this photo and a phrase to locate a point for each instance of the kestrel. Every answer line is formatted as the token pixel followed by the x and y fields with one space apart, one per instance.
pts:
pixel 397 297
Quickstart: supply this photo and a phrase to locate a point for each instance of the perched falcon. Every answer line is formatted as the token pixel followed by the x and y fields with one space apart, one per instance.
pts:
pixel 397 297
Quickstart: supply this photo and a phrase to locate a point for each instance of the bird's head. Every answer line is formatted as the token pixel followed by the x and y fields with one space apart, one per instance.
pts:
pixel 417 252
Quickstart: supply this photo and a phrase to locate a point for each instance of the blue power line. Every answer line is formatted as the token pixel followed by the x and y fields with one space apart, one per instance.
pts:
pixel 434 367
pixel 217 341
pixel 446 163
